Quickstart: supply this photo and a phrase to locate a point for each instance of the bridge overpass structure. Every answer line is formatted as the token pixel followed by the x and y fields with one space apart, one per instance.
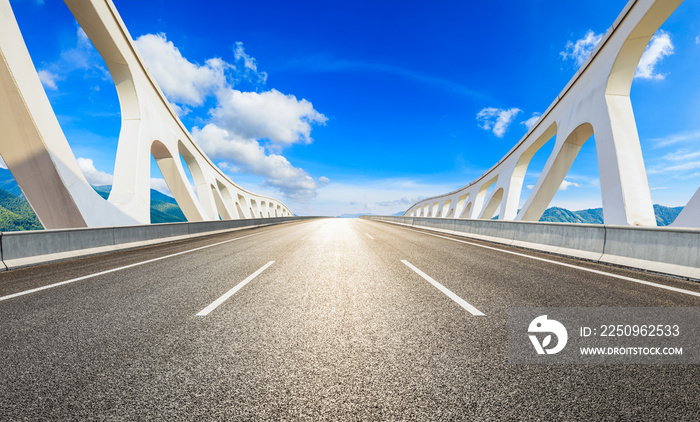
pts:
pixel 37 153
pixel 595 103
pixel 106 317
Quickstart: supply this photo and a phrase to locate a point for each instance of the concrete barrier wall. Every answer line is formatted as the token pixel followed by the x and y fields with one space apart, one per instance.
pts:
pixel 659 249
pixel 20 249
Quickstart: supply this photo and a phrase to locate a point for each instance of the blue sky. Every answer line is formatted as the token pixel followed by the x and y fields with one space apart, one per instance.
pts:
pixel 366 107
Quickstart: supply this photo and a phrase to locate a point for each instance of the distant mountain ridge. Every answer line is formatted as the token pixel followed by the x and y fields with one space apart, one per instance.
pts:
pixel 164 209
pixel 16 213
pixel 664 215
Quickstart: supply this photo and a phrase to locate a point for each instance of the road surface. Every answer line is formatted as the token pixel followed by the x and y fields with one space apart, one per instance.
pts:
pixel 328 319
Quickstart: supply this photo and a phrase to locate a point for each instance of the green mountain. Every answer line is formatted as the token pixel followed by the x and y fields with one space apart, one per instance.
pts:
pixel 664 215
pixel 562 215
pixel 7 183
pixel 164 209
pixel 16 214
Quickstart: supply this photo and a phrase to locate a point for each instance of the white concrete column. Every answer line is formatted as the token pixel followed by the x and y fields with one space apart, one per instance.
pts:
pixel 623 178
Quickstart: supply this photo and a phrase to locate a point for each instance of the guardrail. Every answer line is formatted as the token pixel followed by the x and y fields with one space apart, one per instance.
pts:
pixel 664 250
pixel 21 249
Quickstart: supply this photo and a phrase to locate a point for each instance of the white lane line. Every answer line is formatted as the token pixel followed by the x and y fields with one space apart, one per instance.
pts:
pixel 239 286
pixel 563 264
pixel 461 302
pixel 369 235
pixel 85 277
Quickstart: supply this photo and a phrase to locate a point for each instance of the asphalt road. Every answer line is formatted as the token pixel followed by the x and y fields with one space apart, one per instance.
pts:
pixel 337 327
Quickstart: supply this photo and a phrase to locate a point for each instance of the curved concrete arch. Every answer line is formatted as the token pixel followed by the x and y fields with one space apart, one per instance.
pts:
pixel 480 197
pixel 467 211
pixel 246 211
pixel 38 155
pixel 493 203
pixel 434 210
pixel 227 198
pixel 595 99
pixel 222 210
pixel 446 208
pixel 555 170
pixel 201 184
pixel 175 178
pixel 461 204
pixel 241 213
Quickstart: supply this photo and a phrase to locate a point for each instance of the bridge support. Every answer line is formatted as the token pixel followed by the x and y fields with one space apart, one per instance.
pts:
pixel 37 153
pixel 594 103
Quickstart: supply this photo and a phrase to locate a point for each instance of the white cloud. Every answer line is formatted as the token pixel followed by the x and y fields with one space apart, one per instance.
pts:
pixel 529 186
pixel 384 196
pixel 681 155
pixel 565 184
pixel 691 165
pixel 82 57
pixel 676 138
pixel 282 119
pixel 495 119
pixel 94 177
pixel 532 120
pixel 579 50
pixel 48 79
pixel 182 81
pixel 250 65
pixel 83 40
pixel 248 154
pixel 160 185
pixel 2 164
pixel 100 178
pixel 680 161
pixel 239 120
pixel 697 40
pixel 659 47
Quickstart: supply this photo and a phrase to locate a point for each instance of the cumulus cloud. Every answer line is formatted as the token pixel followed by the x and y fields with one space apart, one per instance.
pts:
pixel 94 177
pixel 659 47
pixel 249 155
pixel 496 120
pixel 2 164
pixel 100 178
pixel 182 81
pixel 579 50
pixel 250 65
pixel 160 185
pixel 532 120
pixel 246 131
pixel 82 56
pixel 271 115
pixel 48 79
pixel 565 184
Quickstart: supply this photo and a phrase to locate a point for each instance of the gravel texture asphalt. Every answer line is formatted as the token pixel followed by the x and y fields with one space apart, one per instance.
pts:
pixel 338 328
